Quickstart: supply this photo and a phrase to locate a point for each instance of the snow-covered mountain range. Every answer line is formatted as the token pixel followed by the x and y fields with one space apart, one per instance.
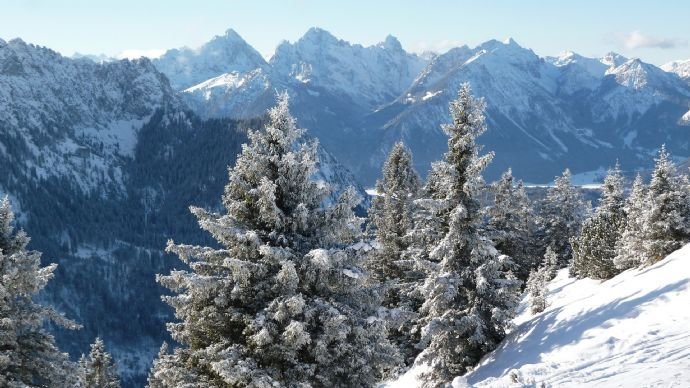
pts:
pixel 545 113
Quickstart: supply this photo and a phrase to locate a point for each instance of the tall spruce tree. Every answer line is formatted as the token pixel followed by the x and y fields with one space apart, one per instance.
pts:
pixel 391 214
pixel 509 223
pixel 391 219
pixel 594 250
pixel 561 216
pixel 28 354
pixel 470 294
pixel 630 247
pixel 667 219
pixel 98 369
pixel 428 229
pixel 280 303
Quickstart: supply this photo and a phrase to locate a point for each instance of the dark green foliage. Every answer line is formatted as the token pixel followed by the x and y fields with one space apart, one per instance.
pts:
pixel 594 250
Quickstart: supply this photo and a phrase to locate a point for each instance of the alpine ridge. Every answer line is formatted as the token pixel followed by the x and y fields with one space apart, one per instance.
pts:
pixel 560 110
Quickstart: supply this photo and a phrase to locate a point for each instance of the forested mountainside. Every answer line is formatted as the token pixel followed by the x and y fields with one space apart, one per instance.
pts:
pixel 101 163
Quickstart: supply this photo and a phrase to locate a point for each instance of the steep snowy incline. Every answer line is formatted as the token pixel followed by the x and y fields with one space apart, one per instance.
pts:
pixel 629 331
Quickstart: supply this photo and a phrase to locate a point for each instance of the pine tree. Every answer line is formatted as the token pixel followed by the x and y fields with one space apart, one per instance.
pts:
pixel 470 295
pixel 666 222
pixel 550 263
pixel 98 370
pixel 390 214
pixel 562 213
pixel 28 354
pixel 594 250
pixel 391 219
pixel 536 289
pixel 428 229
pixel 281 302
pixel 509 223
pixel 630 248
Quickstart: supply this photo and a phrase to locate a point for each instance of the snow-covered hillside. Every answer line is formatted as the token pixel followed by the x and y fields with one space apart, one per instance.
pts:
pixel 629 331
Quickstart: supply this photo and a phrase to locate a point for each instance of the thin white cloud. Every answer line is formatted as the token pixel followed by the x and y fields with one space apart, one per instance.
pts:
pixel 138 53
pixel 637 40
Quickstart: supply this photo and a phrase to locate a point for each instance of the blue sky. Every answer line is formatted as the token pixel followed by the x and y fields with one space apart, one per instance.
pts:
pixel 657 32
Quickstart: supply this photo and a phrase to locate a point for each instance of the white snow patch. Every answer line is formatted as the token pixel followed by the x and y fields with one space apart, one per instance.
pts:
pixel 629 331
pixel 587 180
pixel 429 95
pixel 372 192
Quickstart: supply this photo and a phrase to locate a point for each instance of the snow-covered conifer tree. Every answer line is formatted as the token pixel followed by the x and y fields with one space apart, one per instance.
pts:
pixel 509 223
pixel 594 249
pixel 280 303
pixel 630 248
pixel 536 289
pixel 561 216
pixel 550 262
pixel 391 219
pixel 28 354
pixel 98 369
pixel 390 213
pixel 470 294
pixel 666 225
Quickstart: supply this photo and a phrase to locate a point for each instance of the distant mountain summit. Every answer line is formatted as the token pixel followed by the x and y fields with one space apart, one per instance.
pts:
pixel 226 53
pixel 681 68
pixel 368 76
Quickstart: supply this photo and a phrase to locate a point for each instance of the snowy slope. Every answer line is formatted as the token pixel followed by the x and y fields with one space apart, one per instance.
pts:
pixel 629 331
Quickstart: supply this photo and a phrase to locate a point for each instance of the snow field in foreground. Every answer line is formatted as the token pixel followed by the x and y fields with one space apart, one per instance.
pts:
pixel 629 331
